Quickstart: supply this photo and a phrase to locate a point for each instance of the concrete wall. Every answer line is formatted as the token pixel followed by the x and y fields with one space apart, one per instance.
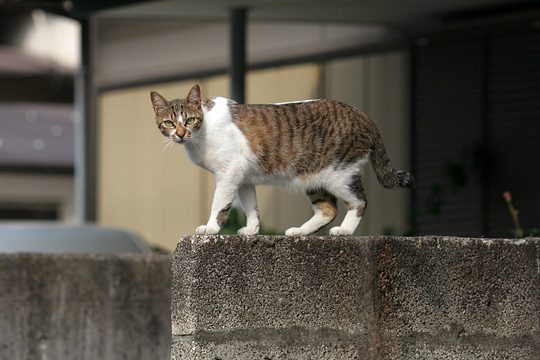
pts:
pixel 60 307
pixel 355 298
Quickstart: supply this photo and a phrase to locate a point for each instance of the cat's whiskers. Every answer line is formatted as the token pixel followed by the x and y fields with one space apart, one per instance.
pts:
pixel 163 144
pixel 170 146
pixel 167 145
pixel 201 140
pixel 192 142
pixel 162 148
pixel 199 143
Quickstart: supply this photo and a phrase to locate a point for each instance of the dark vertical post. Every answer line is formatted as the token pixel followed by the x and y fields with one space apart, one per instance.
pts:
pixel 85 131
pixel 485 151
pixel 237 70
pixel 413 205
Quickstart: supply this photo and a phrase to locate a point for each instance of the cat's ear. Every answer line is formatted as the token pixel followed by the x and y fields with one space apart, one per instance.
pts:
pixel 158 101
pixel 194 95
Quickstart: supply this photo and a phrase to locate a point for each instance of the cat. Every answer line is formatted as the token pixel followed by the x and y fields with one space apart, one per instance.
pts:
pixel 319 146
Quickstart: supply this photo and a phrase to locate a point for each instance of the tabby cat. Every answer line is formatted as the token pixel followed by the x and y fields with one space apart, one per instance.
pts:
pixel 318 146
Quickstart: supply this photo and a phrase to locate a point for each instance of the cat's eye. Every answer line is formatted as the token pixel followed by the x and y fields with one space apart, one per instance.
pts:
pixel 190 121
pixel 168 123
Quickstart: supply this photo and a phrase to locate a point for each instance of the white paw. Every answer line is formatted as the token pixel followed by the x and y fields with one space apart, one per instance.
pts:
pixel 338 230
pixel 206 230
pixel 248 231
pixel 294 231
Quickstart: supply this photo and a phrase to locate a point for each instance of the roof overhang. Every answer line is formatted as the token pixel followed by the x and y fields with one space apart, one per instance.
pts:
pixel 411 16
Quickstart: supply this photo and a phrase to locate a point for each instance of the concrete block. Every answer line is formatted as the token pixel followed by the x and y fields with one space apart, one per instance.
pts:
pixel 480 286
pixel 474 298
pixel 226 283
pixel 84 307
pixel 263 297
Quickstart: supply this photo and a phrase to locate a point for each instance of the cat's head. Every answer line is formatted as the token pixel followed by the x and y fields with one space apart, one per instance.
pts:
pixel 179 119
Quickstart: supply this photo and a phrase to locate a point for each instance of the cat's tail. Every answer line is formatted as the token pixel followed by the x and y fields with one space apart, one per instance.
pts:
pixel 389 177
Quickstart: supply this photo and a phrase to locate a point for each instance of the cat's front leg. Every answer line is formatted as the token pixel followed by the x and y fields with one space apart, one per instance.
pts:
pixel 248 200
pixel 221 206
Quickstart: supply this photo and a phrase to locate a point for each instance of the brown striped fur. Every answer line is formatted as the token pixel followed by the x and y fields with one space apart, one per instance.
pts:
pixel 305 137
pixel 309 136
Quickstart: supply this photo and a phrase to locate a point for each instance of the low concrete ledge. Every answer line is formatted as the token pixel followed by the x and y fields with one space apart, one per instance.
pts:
pixel 84 307
pixel 261 297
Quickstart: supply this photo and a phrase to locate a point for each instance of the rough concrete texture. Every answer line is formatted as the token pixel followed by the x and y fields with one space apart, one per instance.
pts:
pixel 263 297
pixel 56 307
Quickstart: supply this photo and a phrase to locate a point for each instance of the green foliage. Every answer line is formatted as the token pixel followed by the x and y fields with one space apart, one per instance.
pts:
pixel 518 231
pixel 388 231
pixel 236 221
pixel 532 232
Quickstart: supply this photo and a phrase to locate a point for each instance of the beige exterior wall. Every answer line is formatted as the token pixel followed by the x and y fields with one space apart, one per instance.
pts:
pixel 378 85
pixel 160 194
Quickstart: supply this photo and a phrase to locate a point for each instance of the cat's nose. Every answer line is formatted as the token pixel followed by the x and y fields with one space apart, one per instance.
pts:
pixel 180 132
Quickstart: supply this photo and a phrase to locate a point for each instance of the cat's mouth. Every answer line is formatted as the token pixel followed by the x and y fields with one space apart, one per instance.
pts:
pixel 178 139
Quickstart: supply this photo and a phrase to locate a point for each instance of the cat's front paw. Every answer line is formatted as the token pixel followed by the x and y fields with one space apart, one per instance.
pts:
pixel 338 230
pixel 206 230
pixel 294 231
pixel 248 231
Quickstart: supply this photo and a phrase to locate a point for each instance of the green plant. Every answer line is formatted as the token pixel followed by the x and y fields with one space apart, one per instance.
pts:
pixel 236 221
pixel 514 213
pixel 519 231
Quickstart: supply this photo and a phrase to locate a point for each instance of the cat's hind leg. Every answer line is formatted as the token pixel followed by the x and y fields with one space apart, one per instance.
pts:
pixel 356 201
pixel 325 208
pixel 248 201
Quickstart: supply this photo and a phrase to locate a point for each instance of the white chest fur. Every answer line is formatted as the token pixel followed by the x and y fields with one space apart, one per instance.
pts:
pixel 220 146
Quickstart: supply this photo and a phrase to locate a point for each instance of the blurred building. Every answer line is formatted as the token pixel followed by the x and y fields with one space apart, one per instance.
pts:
pixel 38 56
pixel 453 86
